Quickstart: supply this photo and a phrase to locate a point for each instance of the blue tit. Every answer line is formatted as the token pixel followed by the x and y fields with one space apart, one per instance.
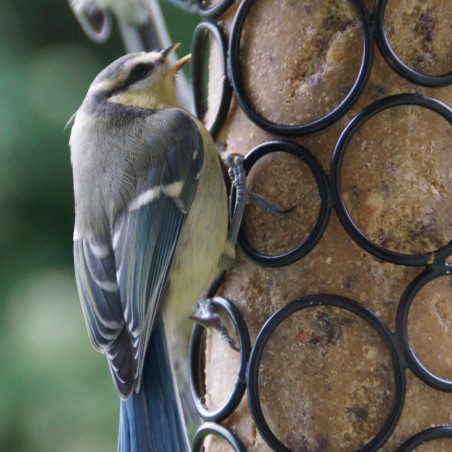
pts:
pixel 151 233
pixel 141 24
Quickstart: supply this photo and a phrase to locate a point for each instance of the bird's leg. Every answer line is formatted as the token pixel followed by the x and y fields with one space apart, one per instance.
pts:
pixel 206 316
pixel 204 313
pixel 237 174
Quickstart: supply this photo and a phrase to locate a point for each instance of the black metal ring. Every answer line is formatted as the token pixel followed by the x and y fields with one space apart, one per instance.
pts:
pixel 320 123
pixel 336 166
pixel 214 10
pixel 430 434
pixel 344 303
pixel 197 384
pixel 395 62
pixel 210 428
pixel 197 74
pixel 403 309
pixel 324 209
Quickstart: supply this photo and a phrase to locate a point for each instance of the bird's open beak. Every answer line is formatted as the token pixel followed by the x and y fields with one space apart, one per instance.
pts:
pixel 178 64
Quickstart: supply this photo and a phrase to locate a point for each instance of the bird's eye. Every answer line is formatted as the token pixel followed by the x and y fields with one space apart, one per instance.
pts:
pixel 139 72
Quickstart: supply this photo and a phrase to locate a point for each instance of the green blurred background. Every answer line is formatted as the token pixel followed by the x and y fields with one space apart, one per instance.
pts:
pixel 55 390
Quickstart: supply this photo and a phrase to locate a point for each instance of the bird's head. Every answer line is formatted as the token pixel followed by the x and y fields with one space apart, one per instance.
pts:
pixel 142 79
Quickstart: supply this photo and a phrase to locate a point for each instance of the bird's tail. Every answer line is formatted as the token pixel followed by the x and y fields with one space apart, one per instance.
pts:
pixel 152 420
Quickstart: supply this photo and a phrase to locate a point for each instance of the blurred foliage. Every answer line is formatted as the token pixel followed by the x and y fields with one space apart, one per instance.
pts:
pixel 56 392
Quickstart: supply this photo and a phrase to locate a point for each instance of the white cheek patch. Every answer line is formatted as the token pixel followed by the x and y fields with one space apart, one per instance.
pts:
pixel 147 83
pixel 145 198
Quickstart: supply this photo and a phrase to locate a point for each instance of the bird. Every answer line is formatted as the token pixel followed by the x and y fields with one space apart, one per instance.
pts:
pixel 142 28
pixel 151 233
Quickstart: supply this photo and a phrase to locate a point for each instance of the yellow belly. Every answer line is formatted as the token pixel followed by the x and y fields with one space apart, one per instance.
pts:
pixel 202 242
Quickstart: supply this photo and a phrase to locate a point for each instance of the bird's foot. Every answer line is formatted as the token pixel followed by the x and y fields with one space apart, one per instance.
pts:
pixel 237 174
pixel 243 196
pixel 205 315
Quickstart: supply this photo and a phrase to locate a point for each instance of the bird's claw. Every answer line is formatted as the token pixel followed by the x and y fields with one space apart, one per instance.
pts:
pixel 271 207
pixel 206 316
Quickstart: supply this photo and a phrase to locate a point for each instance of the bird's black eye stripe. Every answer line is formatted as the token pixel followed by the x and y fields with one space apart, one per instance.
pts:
pixel 139 72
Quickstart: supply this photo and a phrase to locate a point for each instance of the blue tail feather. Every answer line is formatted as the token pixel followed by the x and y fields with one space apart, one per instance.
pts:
pixel 151 420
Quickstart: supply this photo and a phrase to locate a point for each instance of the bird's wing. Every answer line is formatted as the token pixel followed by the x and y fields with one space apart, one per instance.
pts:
pixel 95 273
pixel 121 284
pixel 146 235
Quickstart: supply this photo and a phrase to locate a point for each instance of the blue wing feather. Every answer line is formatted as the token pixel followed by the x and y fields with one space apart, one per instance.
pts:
pixel 147 239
